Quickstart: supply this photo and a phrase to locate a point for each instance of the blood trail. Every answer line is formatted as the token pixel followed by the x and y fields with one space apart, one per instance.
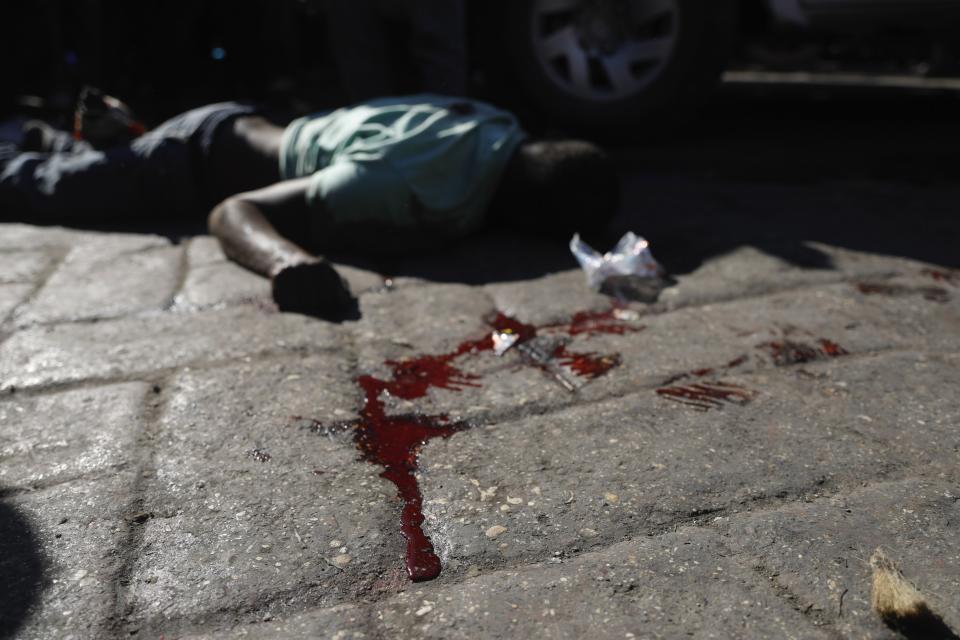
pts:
pixel 394 441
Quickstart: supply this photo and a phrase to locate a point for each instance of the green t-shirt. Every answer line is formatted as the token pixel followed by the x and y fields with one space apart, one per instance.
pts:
pixel 423 162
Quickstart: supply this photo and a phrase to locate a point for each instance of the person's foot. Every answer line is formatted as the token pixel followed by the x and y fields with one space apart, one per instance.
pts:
pixel 313 289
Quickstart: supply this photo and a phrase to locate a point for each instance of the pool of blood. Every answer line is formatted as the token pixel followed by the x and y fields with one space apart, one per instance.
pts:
pixel 394 441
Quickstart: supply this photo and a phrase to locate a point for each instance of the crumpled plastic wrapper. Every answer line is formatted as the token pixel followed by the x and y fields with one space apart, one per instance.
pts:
pixel 627 272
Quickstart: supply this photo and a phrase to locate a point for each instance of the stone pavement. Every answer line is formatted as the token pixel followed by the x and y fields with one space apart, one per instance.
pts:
pixel 178 460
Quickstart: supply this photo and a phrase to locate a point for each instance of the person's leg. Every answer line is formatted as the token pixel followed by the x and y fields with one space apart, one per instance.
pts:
pixel 162 173
pixel 40 137
pixel 198 132
pixel 438 37
pixel 157 174
pixel 120 183
pixel 360 45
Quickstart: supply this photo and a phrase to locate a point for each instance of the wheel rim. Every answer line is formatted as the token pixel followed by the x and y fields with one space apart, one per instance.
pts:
pixel 603 50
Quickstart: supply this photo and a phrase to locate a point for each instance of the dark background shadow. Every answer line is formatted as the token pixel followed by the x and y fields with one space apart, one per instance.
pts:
pixel 21 570
pixel 766 165
pixel 777 167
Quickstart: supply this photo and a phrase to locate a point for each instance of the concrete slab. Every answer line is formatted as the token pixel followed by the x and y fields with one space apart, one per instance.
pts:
pixel 25 266
pixel 678 584
pixel 593 474
pixel 254 510
pixel 107 278
pixel 211 280
pixel 79 530
pixel 818 552
pixel 133 346
pixel 12 296
pixel 86 433
pixel 205 453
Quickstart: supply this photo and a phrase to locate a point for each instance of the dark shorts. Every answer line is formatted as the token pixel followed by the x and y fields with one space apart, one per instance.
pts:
pixel 163 172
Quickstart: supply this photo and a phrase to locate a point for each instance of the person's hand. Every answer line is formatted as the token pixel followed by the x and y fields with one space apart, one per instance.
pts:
pixel 312 288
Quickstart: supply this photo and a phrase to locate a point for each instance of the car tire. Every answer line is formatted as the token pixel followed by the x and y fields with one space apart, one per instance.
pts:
pixel 635 82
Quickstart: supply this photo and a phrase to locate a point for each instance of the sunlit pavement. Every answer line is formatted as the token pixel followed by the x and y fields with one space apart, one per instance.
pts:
pixel 182 458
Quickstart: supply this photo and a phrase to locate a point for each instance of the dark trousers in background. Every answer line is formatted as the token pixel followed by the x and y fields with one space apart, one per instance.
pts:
pixel 161 173
pixel 362 34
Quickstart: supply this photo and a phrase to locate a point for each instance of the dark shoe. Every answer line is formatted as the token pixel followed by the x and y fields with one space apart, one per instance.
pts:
pixel 104 121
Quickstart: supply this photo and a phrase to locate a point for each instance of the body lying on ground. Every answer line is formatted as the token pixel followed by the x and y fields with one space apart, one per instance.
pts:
pixel 393 174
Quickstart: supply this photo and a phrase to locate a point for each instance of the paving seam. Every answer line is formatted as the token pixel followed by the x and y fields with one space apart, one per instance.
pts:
pixel 821 618
pixel 655 309
pixel 144 469
pixel 767 503
pixel 493 418
pixel 816 617
pixel 148 375
pixel 366 606
pixel 510 415
pixel 660 308
pixel 100 474
pixel 126 624
pixel 89 320
pixel 155 244
pixel 692 521
pixel 216 619
pixel 170 308
pixel 46 249
pixel 59 253
pixel 183 270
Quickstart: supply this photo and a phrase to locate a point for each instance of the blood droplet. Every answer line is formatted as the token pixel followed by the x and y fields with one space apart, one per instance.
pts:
pixel 933 294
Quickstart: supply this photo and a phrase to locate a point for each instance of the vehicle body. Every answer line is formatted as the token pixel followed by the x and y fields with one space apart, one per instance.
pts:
pixel 613 64
pixel 862 14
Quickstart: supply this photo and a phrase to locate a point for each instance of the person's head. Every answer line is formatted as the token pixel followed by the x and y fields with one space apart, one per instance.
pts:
pixel 558 186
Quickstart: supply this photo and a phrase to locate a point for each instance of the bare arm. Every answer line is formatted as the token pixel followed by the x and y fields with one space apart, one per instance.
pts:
pixel 249 237
pixel 255 230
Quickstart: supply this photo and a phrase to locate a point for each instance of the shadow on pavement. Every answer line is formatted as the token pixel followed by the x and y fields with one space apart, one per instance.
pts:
pixel 21 570
pixel 873 170
pixel 770 167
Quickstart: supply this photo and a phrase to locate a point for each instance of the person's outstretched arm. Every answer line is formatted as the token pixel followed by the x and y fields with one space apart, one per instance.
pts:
pixel 257 230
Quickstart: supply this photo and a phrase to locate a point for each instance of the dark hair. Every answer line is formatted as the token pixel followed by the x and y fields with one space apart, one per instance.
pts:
pixel 557 186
